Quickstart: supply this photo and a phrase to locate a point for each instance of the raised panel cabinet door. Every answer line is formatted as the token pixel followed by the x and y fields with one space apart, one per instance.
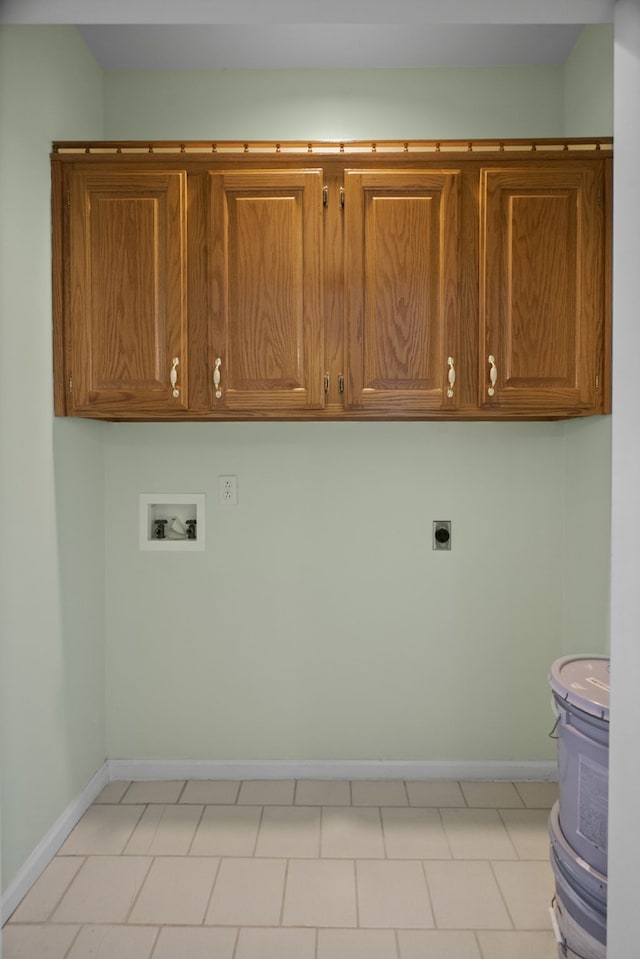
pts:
pixel 402 299
pixel 127 292
pixel 542 274
pixel 264 294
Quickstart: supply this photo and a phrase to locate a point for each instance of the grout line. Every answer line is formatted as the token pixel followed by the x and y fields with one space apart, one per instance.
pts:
pixel 384 838
pixel 396 936
pixel 284 893
pixel 444 833
pixel 155 942
pixel 73 941
pixel 195 831
pixel 406 792
pixel 184 786
pixel 235 944
pixel 213 886
pixel 255 843
pixel 152 859
pixel 429 897
pixel 355 882
pixel 502 896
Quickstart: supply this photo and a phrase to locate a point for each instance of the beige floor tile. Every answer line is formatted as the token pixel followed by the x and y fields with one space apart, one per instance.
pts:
pixel 48 890
pixel 356 944
pixel 320 892
pixel 37 942
pixel 379 793
pixel 276 944
pixel 438 944
pixel 248 892
pixel 103 830
pixel 114 942
pixel 259 792
pixel 351 833
pixel 289 832
pixel 414 834
pixel 164 831
pixel 193 942
pixel 528 889
pixel 113 792
pixel 538 795
pixel 104 889
pixel 392 895
pixel 227 831
pixel 477 834
pixel 435 794
pixel 528 830
pixel 176 891
pixel 523 945
pixel 162 792
pixel 323 792
pixel 210 791
pixel 465 895
pixel 491 795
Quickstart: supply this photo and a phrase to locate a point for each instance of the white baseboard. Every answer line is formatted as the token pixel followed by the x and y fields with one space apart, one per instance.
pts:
pixel 140 770
pixel 51 842
pixel 148 770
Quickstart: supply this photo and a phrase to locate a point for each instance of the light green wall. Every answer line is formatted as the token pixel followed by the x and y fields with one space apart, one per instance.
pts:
pixel 336 104
pixel 52 736
pixel 319 623
pixel 588 84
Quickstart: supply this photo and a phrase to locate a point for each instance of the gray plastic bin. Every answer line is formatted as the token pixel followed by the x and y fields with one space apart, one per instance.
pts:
pixel 581 898
pixel 580 688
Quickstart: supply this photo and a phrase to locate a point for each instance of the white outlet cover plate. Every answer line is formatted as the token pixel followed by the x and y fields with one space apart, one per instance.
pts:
pixel 195 502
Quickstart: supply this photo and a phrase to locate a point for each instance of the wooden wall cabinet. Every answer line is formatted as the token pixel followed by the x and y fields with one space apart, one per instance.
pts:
pixel 331 281
pixel 126 294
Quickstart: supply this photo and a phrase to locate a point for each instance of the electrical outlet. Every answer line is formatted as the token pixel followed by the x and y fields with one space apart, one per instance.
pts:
pixel 442 534
pixel 228 490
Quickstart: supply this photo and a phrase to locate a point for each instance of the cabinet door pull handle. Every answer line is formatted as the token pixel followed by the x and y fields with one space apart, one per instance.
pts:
pixel 493 375
pixel 451 377
pixel 173 376
pixel 216 378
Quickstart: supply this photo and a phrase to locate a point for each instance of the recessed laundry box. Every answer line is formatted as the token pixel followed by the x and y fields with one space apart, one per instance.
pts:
pixel 580 688
pixel 581 898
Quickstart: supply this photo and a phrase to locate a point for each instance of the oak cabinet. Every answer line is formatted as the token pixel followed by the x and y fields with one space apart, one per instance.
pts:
pixel 127 321
pixel 402 304
pixel 542 288
pixel 256 255
pixel 333 282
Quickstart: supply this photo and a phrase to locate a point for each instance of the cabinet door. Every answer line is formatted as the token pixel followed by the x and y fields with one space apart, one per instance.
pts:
pixel 542 288
pixel 401 290
pixel 127 296
pixel 260 248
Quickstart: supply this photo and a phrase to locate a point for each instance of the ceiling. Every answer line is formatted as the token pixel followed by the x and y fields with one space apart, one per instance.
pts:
pixel 295 45
pixel 270 34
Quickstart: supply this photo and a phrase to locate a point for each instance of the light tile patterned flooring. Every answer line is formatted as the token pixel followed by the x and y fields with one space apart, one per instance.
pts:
pixel 297 870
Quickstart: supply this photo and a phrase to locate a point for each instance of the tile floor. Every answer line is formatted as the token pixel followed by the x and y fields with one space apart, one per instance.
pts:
pixel 297 870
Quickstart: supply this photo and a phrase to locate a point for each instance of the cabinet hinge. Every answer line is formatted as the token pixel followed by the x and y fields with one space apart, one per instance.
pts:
pixel 325 196
pixel 326 382
pixel 342 198
pixel 71 384
pixel 597 383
